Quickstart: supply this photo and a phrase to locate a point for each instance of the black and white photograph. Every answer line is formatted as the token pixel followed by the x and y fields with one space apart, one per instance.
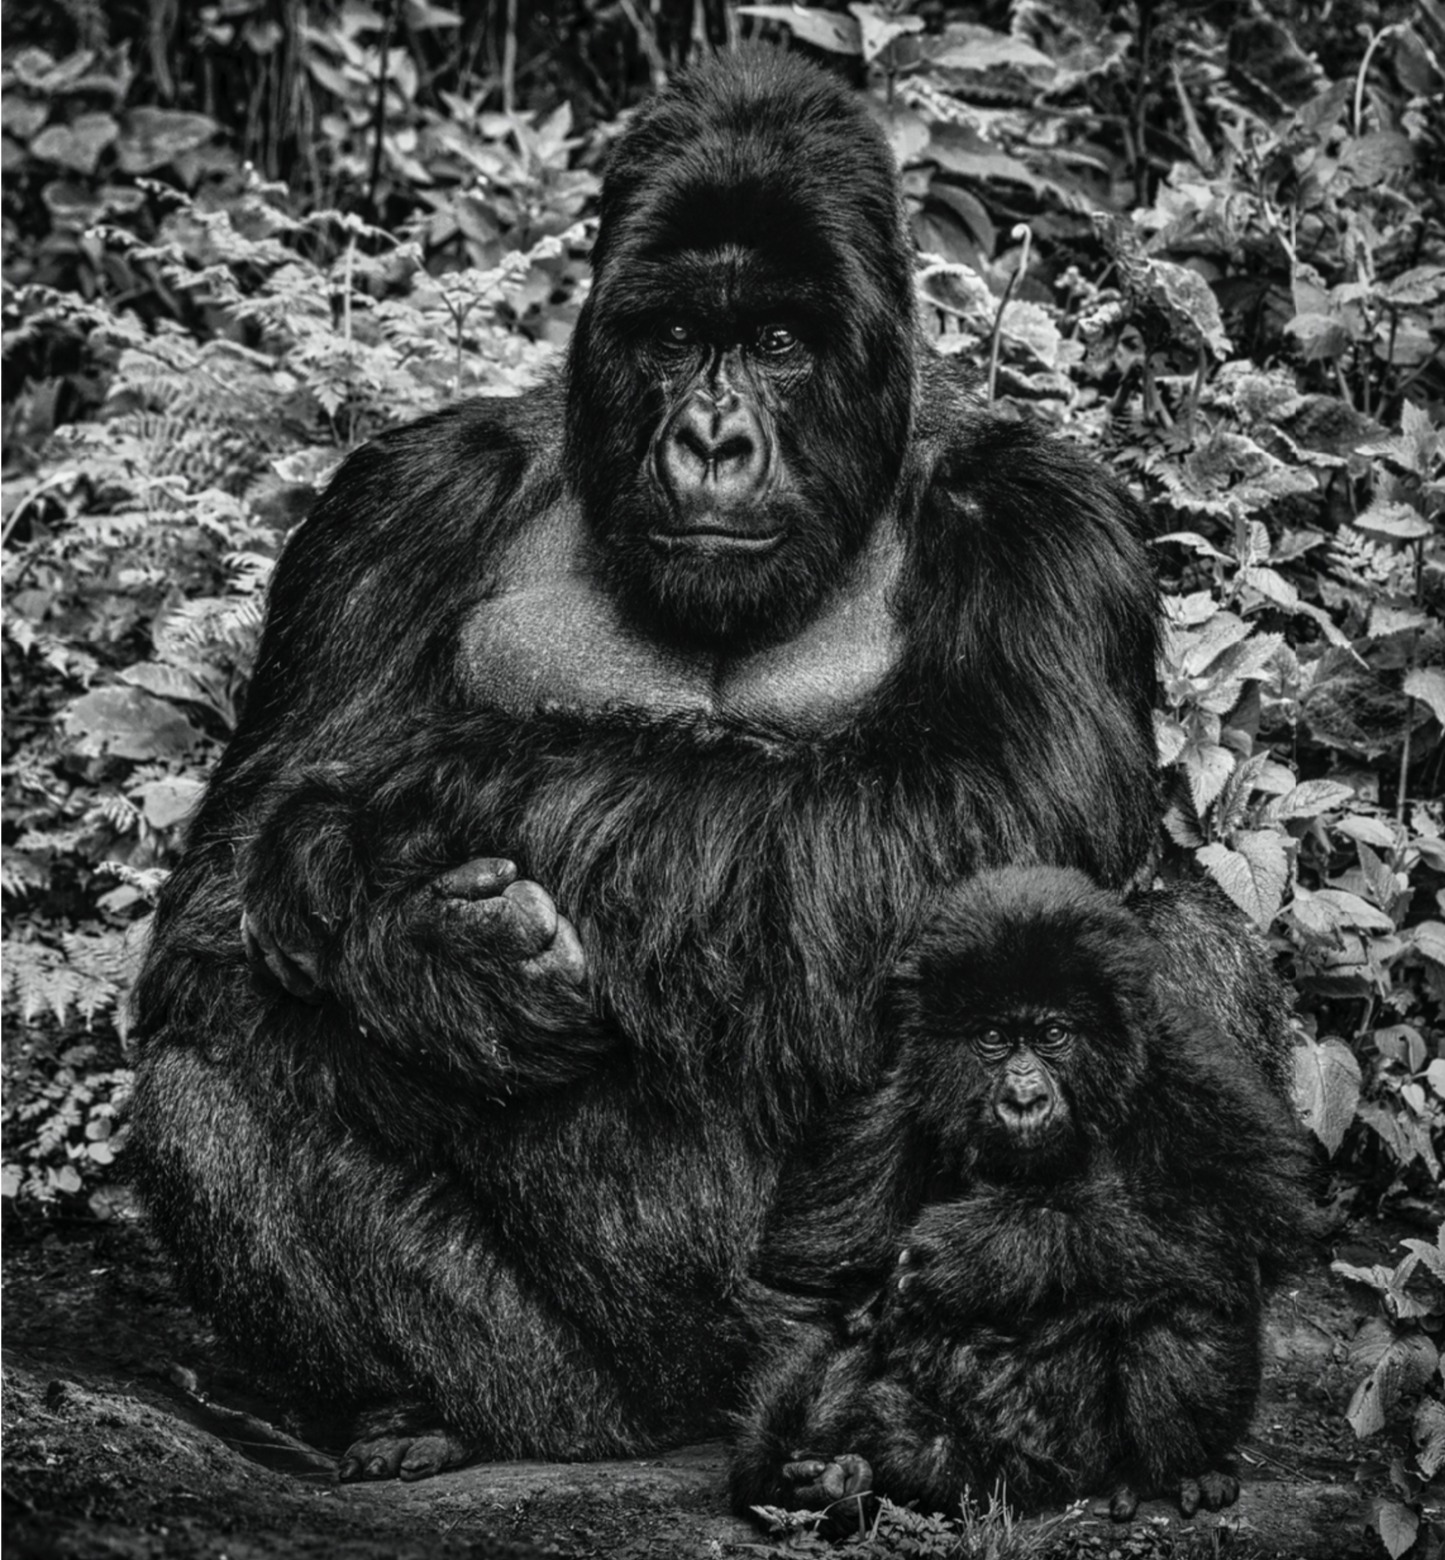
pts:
pixel 724 780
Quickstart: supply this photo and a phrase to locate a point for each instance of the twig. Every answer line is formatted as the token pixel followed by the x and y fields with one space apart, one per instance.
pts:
pixel 1025 233
pixel 648 42
pixel 509 60
pixel 1364 71
pixel 380 106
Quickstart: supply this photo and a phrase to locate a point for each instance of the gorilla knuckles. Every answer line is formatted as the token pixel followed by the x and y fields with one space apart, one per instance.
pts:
pixel 753 290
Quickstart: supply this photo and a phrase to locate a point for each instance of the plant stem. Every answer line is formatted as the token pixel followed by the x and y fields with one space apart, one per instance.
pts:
pixel 381 69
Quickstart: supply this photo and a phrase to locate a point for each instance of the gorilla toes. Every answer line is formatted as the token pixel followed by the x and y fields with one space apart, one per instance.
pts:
pixel 1123 1503
pixel 515 914
pixel 816 1481
pixel 404 1456
pixel 1214 1490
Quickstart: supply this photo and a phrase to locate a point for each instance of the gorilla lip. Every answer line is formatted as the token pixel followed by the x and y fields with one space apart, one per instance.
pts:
pixel 711 540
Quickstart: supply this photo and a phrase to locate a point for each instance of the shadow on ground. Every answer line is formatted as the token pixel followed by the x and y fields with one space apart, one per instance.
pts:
pixel 112 1451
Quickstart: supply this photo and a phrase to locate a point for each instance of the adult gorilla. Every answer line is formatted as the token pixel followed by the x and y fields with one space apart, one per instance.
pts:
pixel 732 643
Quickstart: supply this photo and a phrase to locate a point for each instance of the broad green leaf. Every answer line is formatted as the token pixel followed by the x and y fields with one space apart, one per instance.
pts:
pixel 1326 1088
pixel 1198 543
pixel 129 724
pixel 1386 618
pixel 993 49
pixel 1371 158
pixel 1271 585
pixel 1169 738
pixel 1254 874
pixel 1351 910
pixel 1397 1525
pixel 1313 798
pixel 1429 940
pixel 1427 683
pixel 1422 284
pixel 152 137
pixel 1207 766
pixel 1376 1397
pixel 169 802
pixel 1203 645
pixel 1370 831
pixel 1429 1436
pixel 823 29
pixel 1387 517
pixel 878 30
pixel 1431 1257
pixel 78 145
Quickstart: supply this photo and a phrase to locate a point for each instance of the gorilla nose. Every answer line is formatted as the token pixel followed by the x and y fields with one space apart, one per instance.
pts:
pixel 1022 1100
pixel 713 456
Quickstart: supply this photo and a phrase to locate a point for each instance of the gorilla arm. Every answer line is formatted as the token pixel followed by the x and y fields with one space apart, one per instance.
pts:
pixel 328 821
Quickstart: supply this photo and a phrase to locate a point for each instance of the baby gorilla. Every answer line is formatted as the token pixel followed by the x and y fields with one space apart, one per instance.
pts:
pixel 1093 1187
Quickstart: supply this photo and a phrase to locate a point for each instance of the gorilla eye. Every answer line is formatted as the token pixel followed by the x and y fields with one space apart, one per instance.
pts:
pixel 993 1042
pixel 776 340
pixel 676 334
pixel 1054 1035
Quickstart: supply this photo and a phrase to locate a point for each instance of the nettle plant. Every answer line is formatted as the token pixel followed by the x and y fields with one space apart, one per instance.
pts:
pixel 1331 866
pixel 1397 1404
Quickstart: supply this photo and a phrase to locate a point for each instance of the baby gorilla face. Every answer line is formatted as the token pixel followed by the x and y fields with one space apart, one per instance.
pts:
pixel 1021 1059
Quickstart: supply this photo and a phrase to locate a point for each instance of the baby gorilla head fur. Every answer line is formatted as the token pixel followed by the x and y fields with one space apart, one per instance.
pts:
pixel 1024 1015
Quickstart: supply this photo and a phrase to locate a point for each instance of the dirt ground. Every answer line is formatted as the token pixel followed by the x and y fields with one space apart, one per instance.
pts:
pixel 109 1450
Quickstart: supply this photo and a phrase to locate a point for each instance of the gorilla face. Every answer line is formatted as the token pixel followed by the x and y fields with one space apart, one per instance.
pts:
pixel 741 381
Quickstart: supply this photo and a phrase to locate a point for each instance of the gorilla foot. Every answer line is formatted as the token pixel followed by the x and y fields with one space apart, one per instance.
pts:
pixel 404 1455
pixel 518 915
pixel 1214 1489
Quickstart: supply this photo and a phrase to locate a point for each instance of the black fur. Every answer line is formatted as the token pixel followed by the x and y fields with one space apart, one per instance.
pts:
pixel 1075 1309
pixel 523 1206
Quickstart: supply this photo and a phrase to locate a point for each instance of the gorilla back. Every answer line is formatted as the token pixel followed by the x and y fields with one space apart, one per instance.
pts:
pixel 602 746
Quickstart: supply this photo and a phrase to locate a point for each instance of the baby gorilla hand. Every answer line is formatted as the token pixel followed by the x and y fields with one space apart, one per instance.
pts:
pixel 909 1288
pixel 816 1481
pixel 518 916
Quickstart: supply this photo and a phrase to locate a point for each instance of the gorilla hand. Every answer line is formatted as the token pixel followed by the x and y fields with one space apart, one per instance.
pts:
pixel 516 914
pixel 484 898
pixel 816 1481
pixel 292 969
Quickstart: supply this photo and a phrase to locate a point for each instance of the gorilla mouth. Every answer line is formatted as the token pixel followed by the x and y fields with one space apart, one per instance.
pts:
pixel 715 540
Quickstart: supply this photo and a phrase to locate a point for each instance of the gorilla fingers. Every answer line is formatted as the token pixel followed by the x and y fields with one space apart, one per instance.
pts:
pixel 1091 1187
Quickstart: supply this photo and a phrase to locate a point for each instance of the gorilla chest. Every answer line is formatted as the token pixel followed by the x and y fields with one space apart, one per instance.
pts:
pixel 550 638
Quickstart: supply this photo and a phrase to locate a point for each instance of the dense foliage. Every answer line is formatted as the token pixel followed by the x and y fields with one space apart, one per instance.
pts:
pixel 1207 242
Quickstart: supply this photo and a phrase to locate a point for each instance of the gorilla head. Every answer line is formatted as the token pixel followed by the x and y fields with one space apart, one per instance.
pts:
pixel 1025 1013
pixel 741 380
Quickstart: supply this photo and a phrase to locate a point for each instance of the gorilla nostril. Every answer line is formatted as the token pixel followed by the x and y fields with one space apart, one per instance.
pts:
pixel 693 443
pixel 738 448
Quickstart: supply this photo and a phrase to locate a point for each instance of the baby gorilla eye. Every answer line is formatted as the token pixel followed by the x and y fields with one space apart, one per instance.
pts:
pixel 776 340
pixel 1054 1035
pixel 992 1042
pixel 676 333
